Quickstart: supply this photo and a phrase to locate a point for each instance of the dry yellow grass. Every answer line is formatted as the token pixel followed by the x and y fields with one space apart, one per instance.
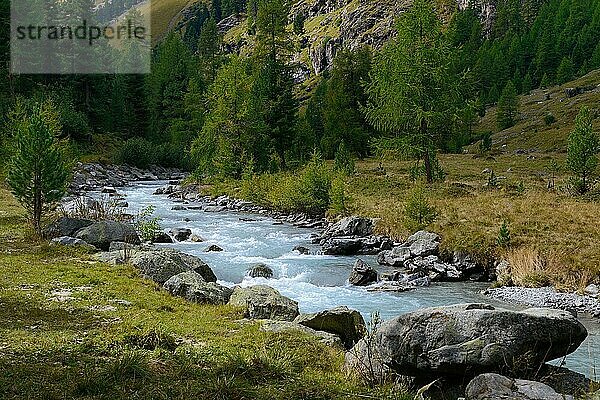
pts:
pixel 561 228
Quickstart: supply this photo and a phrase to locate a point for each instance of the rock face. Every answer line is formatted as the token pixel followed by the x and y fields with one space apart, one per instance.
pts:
pixel 260 271
pixel 497 387
pixel 350 226
pixel 161 264
pixel 66 226
pixel 264 302
pixel 467 339
pixel 362 274
pixel 101 234
pixel 286 326
pixel 192 286
pixel 348 324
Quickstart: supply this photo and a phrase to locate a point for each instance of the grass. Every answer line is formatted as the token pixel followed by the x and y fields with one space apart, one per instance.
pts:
pixel 151 345
pixel 531 131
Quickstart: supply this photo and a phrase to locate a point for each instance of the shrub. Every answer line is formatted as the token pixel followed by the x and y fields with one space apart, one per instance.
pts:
pixel 343 160
pixel 418 212
pixel 503 239
pixel 485 144
pixel 582 148
pixel 549 118
pixel 147 226
pixel 340 200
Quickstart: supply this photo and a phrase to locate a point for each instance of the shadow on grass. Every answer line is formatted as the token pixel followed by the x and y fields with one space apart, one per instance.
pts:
pixel 22 312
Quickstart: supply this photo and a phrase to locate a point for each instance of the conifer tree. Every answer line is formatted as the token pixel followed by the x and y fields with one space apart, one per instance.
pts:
pixel 508 107
pixel 38 173
pixel 582 149
pixel 413 93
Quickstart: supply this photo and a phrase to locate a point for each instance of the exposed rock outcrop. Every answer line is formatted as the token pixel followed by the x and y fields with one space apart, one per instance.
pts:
pixel 161 264
pixel 286 326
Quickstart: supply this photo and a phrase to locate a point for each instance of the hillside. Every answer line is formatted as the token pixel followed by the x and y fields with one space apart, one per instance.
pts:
pixel 532 133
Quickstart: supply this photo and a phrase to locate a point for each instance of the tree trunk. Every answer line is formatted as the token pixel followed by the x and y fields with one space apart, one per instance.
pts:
pixel 427 161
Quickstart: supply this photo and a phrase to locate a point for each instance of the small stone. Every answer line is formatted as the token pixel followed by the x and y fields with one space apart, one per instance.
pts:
pixel 213 248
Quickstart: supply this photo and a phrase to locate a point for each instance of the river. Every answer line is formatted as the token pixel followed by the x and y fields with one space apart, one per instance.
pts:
pixel 316 282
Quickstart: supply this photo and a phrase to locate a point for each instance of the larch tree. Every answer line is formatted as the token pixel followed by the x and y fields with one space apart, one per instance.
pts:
pixel 413 94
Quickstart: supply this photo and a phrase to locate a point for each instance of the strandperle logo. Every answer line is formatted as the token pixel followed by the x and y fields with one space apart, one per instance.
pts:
pixel 79 37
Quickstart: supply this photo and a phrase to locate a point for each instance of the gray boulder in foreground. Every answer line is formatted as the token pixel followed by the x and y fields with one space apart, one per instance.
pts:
pixel 191 286
pixel 102 234
pixel 285 326
pixel 161 264
pixel 467 339
pixel 264 302
pixel 348 324
pixel 497 387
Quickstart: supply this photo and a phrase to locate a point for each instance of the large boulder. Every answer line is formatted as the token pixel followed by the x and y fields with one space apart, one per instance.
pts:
pixel 191 286
pixel 342 246
pixel 468 339
pixel 362 274
pixel 348 324
pixel 264 302
pixel 286 326
pixel 65 226
pixel 492 386
pixel 101 234
pixel 161 264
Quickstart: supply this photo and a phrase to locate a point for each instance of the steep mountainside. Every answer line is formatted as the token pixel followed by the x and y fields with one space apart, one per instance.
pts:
pixel 333 24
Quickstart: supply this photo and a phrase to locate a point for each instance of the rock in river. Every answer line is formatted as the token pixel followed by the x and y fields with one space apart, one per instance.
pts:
pixel 101 234
pixel 213 248
pixel 348 324
pixel 260 271
pixel 264 302
pixel 192 286
pixel 362 274
pixel 181 234
pixel 467 339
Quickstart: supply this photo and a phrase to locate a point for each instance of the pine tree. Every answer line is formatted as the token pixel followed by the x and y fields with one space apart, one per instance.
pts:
pixel 565 71
pixel 413 93
pixel 582 149
pixel 508 107
pixel 38 173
